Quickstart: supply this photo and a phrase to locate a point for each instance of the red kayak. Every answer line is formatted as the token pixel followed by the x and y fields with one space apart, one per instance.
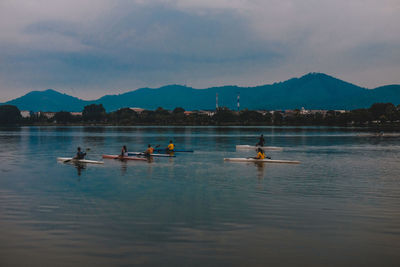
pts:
pixel 123 158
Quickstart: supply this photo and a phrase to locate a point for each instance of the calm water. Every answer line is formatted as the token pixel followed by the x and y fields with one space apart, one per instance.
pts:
pixel 339 207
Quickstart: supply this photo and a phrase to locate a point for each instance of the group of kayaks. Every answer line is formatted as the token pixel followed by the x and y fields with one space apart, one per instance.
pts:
pixel 138 156
pixel 145 156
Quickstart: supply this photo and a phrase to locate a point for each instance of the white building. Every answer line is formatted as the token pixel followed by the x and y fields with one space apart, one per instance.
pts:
pixel 137 110
pixel 48 115
pixel 25 113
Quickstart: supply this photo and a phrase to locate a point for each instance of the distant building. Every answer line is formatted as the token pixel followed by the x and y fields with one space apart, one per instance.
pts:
pixel 303 111
pixel 76 113
pixel 187 113
pixel 263 112
pixel 48 115
pixel 25 113
pixel 321 111
pixel 137 110
pixel 290 111
pixel 206 112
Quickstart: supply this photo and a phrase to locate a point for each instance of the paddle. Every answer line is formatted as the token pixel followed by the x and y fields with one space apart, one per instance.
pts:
pixel 144 153
pixel 266 157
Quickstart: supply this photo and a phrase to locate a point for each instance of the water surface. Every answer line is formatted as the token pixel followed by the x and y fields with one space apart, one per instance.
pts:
pixel 339 207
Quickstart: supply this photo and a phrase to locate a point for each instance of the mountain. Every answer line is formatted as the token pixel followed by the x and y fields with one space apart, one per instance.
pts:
pixel 311 91
pixel 48 100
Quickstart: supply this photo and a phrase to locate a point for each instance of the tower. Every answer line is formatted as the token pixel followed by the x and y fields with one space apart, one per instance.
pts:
pixel 216 101
pixel 238 101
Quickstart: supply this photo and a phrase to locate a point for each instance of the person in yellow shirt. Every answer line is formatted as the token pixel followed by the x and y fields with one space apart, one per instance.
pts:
pixel 170 147
pixel 149 150
pixel 261 154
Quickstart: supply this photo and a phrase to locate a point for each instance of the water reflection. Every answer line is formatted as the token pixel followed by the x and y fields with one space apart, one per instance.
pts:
pixel 260 169
pixel 79 167
pixel 124 167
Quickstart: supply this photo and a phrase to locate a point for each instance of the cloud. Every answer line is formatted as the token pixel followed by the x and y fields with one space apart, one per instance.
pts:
pixel 122 45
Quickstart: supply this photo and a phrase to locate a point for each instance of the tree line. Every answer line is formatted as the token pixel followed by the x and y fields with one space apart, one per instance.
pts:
pixel 96 114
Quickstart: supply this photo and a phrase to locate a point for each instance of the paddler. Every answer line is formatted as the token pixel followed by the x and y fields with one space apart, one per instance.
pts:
pixel 149 150
pixel 261 141
pixel 124 152
pixel 170 147
pixel 80 154
pixel 261 154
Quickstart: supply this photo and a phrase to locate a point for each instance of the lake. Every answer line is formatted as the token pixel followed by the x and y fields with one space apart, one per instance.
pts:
pixel 339 207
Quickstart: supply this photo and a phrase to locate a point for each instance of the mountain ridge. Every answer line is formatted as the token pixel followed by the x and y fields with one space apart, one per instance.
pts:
pixel 312 91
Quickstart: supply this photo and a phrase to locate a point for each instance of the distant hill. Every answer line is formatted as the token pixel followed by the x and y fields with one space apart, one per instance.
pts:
pixel 312 91
pixel 48 100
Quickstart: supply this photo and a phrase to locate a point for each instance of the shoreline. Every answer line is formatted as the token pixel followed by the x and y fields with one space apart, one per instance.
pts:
pixel 378 127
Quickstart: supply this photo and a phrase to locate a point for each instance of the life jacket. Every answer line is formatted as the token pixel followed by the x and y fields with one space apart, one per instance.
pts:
pixel 171 147
pixel 260 155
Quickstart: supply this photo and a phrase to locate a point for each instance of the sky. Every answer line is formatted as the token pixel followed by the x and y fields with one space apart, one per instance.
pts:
pixel 91 48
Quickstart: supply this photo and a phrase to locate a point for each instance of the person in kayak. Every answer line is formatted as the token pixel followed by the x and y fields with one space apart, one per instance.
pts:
pixel 124 152
pixel 261 154
pixel 171 146
pixel 80 154
pixel 261 141
pixel 149 150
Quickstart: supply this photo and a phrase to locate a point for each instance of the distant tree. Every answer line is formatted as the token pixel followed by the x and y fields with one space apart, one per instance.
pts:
pixel 225 115
pixel 63 117
pixel 123 116
pixel 268 118
pixel 382 111
pixel 277 118
pixel 343 118
pixel 178 116
pixel 330 117
pixel 161 111
pixel 318 118
pixel 147 116
pixel 391 112
pixel 94 112
pixel 9 114
pixel 178 110
pixel 360 116
pixel 250 117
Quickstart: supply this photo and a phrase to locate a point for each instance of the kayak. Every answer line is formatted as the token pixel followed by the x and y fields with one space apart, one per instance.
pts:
pixel 175 150
pixel 123 158
pixel 152 155
pixel 255 147
pixel 80 160
pixel 262 160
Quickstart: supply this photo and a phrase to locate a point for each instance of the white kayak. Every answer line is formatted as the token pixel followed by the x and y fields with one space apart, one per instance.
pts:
pixel 261 160
pixel 80 160
pixel 255 147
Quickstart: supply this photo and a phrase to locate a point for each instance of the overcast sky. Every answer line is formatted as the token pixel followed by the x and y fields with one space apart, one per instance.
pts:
pixel 90 48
